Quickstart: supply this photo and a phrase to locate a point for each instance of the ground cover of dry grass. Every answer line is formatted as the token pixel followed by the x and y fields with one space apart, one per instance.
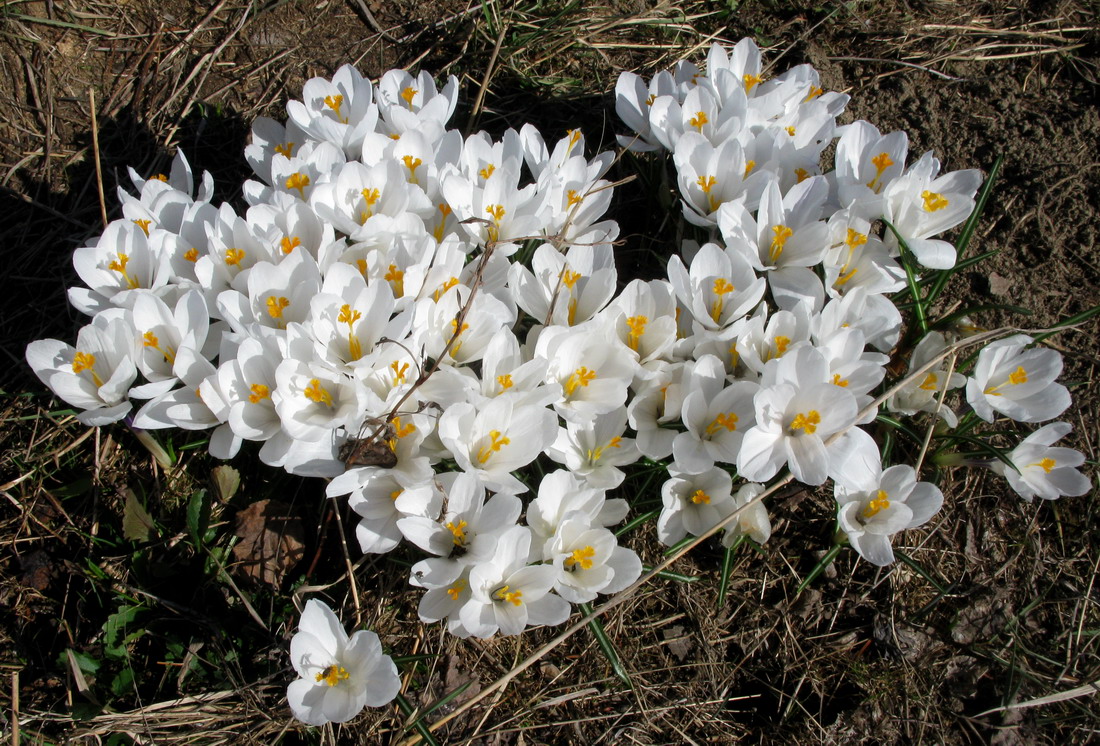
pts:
pixel 989 635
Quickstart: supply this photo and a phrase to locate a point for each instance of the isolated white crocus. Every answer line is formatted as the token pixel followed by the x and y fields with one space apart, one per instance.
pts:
pixel 96 374
pixel 338 675
pixel 507 594
pixel 341 111
pixel 887 502
pixel 121 262
pixel 1017 382
pixel 693 503
pixel 1043 470
pixel 866 163
pixel 589 561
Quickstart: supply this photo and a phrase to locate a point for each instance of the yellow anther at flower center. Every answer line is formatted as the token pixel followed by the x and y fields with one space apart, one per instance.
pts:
pixel 751 81
pixel 838 381
pixel 727 420
pixel 881 162
pixel 161 177
pixel 814 93
pixel 879 502
pixel 700 498
pixel 699 120
pixel 334 103
pixel 496 212
pixel 637 326
pixel 801 174
pixel 403 431
pixel 582 376
pixel 844 278
pixel 595 454
pixel 650 99
pixel 85 361
pixel 333 675
pixel 749 166
pixel 396 494
pixel 486 172
pixel 574 138
pixel 1046 464
pixel 370 197
pixel 457 588
pixel 233 257
pixel 286 149
pixel 707 183
pixel 933 201
pixel 512 597
pixel 807 423
pixel 259 393
pixel 191 255
pixel 275 306
pixel 443 288
pixel 397 279
pixel 580 557
pixel 399 371
pixel 361 265
pixel 781 343
pixel 408 94
pixel 572 198
pixel 782 233
pixel 299 181
pixel 458 532
pixel 504 381
pixel 120 267
pixel 854 239
pixel 412 164
pixel 790 130
pixel 496 441
pixel 349 316
pixel 289 243
pixel 930 383
pixel 315 392
pixel 144 225
pixel 150 340
pixel 722 287
pixel 569 277
pixel 1015 378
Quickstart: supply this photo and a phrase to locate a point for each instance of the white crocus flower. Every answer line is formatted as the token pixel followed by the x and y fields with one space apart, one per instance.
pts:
pixel 752 521
pixel 313 400
pixel 644 316
pixel 564 289
pixel 1043 470
pixel 654 410
pixel 793 419
pixel 497 439
pixel 719 289
pixel 277 295
pixel 437 325
pixel 693 503
pixel 715 414
pixel 469 526
pixel 885 503
pixel 270 138
pixel 96 374
pixel 362 201
pixel 497 213
pixel 710 176
pixel 247 382
pixel 561 494
pixel 589 561
pixel 593 450
pixel 409 104
pixel 121 261
pixel 924 393
pixel 338 675
pixel 633 99
pixel 448 589
pixel 873 314
pixel 858 259
pixel 341 111
pixel 765 339
pixel 160 333
pixel 590 364
pixel 507 594
pixel 920 205
pixel 866 163
pixel 348 318
pixel 382 497
pixel 1017 382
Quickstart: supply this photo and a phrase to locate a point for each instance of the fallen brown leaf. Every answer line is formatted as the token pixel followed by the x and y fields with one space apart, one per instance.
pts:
pixel 271 542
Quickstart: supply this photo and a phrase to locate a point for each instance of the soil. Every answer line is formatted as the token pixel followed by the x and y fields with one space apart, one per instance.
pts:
pixel 998 607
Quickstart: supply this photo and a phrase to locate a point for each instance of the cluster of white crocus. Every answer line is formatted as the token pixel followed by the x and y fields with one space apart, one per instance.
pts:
pixel 420 317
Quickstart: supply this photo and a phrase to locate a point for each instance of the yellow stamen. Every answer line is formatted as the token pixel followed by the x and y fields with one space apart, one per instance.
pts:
pixel 299 181
pixel 722 287
pixel 275 306
pixel 572 198
pixel 582 557
pixel 486 172
pixel 144 225
pixel 259 393
pixel 458 532
pixel 191 255
pixel 412 164
pixel 751 81
pixel 456 589
pixel 120 267
pixel 698 120
pixel 496 442
pixel 933 201
pixel 334 103
pixel 569 277
pixel 838 381
pixel 595 454
pixel 881 162
pixel 85 361
pixel 790 130
pixel 650 99
pixel 333 675
pixel 505 381
pixel 396 278
pixel 700 498
pixel 781 343
pixel 160 177
pixel 749 166
pixel 512 597
pixel 814 93
pixel 289 243
pixel 706 183
pixel 574 138
pixel 370 197
pixel 930 382
pixel 1046 464
pixel 801 174
pixel 637 326
pixel 349 316
pixel 408 95
pixel 150 340
pixel 727 420
pixel 807 423
pixel 315 392
pixel 399 371
pixel 286 149
pixel 1015 378
pixel 881 501
pixel 582 376
pixel 782 233
pixel 233 257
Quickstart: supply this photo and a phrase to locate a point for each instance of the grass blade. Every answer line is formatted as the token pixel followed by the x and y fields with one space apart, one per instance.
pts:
pixel 912 280
pixel 608 647
pixel 418 724
pixel 819 568
pixel 727 568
